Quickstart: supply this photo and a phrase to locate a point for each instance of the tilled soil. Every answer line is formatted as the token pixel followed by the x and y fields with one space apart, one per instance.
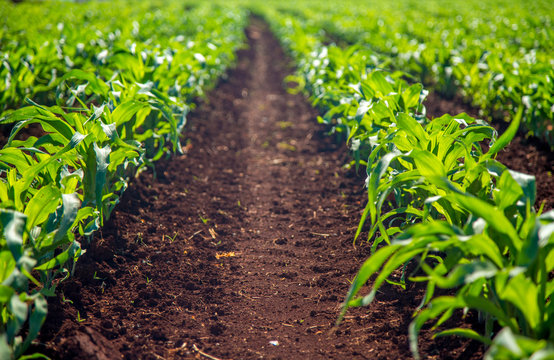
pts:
pixel 239 249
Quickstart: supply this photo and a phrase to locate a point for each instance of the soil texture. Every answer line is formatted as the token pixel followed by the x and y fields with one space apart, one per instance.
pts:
pixel 239 249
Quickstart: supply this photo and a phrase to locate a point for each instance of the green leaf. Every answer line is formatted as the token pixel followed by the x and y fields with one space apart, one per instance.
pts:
pixel 488 307
pixel 527 184
pixel 411 96
pixel 524 294
pixel 6 351
pixel 375 176
pixel 505 346
pixel 38 315
pixel 42 204
pixel 62 258
pixel 509 191
pixel 492 216
pixel 95 84
pixel 429 166
pixel 71 206
pixel 482 245
pixel 467 333
pixel 15 157
pixel 30 174
pixel 19 310
pixel 102 162
pixel 507 137
pixel 6 293
pixel 412 127
pixel 363 108
pixel 380 83
pixel 465 274
pixel 362 221
pixel 14 226
pixel 47 120
pixel 370 267
pixel 7 265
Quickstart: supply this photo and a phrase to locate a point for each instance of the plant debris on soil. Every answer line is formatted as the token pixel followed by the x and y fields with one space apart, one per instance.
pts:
pixel 239 249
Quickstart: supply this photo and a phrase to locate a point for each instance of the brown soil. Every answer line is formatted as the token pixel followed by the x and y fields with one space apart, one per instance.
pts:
pixel 31 130
pixel 529 155
pixel 240 249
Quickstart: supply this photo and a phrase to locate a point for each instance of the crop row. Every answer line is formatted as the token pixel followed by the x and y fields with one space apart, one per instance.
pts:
pixel 441 210
pixel 497 61
pixel 111 94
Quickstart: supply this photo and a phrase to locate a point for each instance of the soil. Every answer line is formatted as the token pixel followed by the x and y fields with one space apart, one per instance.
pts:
pixel 31 130
pixel 239 249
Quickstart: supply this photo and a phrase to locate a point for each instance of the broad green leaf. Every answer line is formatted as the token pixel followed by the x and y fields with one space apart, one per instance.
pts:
pixel 412 127
pixel 527 184
pixel 6 292
pixel 504 346
pixel 102 162
pixel 19 309
pixel 492 216
pixel 380 83
pixel 487 306
pixel 6 351
pixel 509 191
pixel 44 202
pixel 363 108
pixel 508 345
pixel 481 244
pixel 524 294
pixel 15 157
pixel 30 174
pixel 14 227
pixel 21 114
pixel 7 264
pixel 71 206
pixel 411 95
pixel 428 164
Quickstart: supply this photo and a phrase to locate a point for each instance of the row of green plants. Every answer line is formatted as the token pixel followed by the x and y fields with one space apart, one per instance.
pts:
pixel 440 209
pixel 494 59
pixel 111 95
pixel 160 41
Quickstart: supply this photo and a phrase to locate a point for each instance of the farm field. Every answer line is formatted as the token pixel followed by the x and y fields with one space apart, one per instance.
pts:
pixel 211 181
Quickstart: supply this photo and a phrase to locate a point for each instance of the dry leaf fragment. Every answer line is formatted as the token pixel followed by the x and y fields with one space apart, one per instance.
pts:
pixel 225 254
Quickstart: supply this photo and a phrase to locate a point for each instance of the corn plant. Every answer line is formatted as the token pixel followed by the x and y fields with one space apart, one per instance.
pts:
pixel 498 262
pixel 495 60
pixel 113 105
pixel 436 198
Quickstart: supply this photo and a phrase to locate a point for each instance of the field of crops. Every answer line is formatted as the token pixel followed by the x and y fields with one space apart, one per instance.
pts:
pixel 111 113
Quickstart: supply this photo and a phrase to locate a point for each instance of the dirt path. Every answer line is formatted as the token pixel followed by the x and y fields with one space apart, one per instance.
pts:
pixel 240 249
